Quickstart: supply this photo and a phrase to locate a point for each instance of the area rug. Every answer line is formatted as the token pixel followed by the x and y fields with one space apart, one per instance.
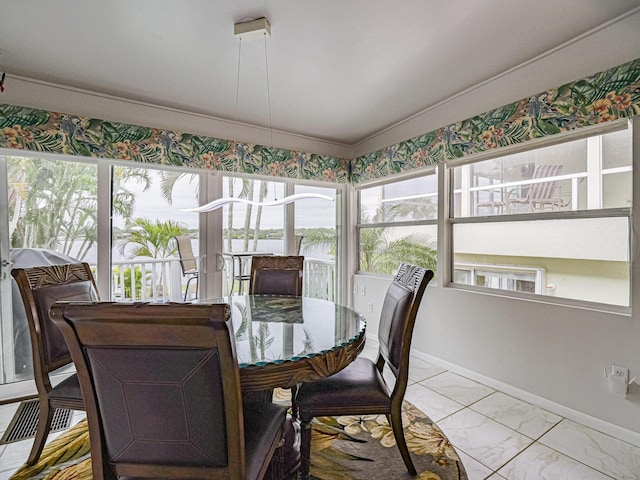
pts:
pixel 343 448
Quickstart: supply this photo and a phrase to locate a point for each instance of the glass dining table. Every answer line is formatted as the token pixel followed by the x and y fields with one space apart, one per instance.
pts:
pixel 282 341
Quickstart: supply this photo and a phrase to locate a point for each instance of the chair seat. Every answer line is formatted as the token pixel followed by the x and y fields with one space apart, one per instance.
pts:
pixel 69 390
pixel 262 422
pixel 359 384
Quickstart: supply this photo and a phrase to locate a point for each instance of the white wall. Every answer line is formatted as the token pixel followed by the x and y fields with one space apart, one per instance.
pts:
pixel 35 94
pixel 549 355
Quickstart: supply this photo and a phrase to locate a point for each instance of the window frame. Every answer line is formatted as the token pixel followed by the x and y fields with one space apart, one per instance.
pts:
pixel 501 271
pixel 449 220
pixel 359 226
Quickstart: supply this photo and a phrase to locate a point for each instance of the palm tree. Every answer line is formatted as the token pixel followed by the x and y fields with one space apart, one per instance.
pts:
pixel 53 203
pixel 380 253
pixel 261 196
pixel 168 182
pixel 247 217
pixel 123 200
pixel 155 239
pixel 379 250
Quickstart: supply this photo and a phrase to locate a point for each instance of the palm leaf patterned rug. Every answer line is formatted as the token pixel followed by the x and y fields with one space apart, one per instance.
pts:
pixel 343 448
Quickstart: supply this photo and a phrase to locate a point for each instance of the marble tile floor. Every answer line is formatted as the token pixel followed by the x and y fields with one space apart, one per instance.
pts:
pixel 498 437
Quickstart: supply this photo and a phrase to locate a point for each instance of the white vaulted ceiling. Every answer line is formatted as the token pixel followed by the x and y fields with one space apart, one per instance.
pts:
pixel 339 71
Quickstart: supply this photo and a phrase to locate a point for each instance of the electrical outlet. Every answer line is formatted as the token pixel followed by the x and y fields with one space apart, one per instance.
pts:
pixel 363 290
pixel 355 289
pixel 370 307
pixel 620 372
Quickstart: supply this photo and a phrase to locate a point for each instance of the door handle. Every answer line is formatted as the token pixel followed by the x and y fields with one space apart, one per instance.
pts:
pixel 4 265
pixel 219 262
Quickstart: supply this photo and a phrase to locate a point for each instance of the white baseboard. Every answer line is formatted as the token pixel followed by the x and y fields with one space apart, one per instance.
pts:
pixel 574 415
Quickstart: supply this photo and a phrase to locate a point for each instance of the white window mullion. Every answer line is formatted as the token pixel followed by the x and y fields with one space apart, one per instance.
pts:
pixel 594 173
pixel 103 257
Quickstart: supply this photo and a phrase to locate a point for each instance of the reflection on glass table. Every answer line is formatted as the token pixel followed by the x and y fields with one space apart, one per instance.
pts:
pixel 282 341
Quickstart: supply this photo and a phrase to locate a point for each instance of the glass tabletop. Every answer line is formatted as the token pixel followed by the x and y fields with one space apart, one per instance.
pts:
pixel 271 330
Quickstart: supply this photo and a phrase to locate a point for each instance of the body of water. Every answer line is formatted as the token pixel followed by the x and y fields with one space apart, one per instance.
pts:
pixel 266 246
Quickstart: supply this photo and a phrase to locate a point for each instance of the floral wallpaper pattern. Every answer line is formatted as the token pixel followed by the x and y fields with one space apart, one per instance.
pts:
pixel 603 97
pixel 40 131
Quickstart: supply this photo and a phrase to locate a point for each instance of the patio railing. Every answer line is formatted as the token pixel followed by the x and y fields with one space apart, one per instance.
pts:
pixel 161 280
pixel 319 279
pixel 152 280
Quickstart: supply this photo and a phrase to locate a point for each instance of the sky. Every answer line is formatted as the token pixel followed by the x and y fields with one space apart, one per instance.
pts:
pixel 151 205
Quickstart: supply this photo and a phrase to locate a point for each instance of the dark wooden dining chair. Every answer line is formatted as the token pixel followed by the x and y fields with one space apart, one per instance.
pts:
pixel 360 388
pixel 41 287
pixel 276 275
pixel 162 388
pixel 188 262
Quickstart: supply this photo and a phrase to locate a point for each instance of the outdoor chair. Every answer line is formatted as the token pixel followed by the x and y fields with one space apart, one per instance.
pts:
pixel 360 388
pixel 298 243
pixel 188 262
pixel 41 287
pixel 538 195
pixel 276 275
pixel 162 389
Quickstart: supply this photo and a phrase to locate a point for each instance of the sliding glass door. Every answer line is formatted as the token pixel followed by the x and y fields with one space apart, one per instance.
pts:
pixel 122 219
pixel 49 215
pixel 148 212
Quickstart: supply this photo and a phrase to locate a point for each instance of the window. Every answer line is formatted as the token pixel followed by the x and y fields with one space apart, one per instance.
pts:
pixel 398 223
pixel 316 238
pixel 147 211
pixel 503 277
pixel 249 228
pixel 560 211
pixel 306 226
pixel 52 205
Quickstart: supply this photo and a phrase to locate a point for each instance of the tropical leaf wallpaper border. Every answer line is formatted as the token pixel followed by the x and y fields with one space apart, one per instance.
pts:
pixel 35 130
pixel 600 98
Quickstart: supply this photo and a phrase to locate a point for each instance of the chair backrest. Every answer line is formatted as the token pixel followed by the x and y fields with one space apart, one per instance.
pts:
pixel 40 288
pixel 397 320
pixel 185 251
pixel 161 385
pixel 544 191
pixel 276 275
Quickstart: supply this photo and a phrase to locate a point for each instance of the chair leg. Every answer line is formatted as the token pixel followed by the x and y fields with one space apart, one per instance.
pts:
pixel 186 291
pixel 45 417
pixel 305 448
pixel 395 419
pixel 294 405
